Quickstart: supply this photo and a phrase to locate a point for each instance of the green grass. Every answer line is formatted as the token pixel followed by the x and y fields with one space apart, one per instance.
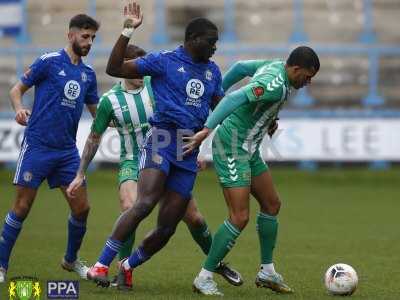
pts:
pixel 329 216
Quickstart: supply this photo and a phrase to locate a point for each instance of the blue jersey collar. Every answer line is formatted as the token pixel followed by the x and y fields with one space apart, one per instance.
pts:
pixel 186 56
pixel 68 59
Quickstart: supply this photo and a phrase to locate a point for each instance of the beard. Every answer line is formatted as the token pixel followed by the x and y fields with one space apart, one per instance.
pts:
pixel 78 50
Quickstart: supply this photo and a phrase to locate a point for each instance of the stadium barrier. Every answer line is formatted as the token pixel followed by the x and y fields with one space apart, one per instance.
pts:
pixel 297 139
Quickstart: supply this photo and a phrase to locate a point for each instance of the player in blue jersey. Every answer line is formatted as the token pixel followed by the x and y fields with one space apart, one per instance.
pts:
pixel 63 84
pixel 185 83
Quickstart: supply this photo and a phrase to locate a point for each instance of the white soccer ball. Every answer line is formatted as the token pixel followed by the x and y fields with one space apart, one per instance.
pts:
pixel 341 279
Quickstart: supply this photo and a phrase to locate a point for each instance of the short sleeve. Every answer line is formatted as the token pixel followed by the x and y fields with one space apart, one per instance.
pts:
pixel 152 64
pixel 260 91
pixel 104 115
pixel 37 72
pixel 91 95
pixel 219 91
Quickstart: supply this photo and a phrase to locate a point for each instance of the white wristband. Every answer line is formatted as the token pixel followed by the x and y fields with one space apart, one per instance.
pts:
pixel 128 32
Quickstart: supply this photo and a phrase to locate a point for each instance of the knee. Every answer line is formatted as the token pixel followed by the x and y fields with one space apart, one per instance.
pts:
pixel 81 212
pixel 193 219
pixel 125 203
pixel 141 208
pixel 166 232
pixel 240 219
pixel 274 205
pixel 21 207
pixel 21 210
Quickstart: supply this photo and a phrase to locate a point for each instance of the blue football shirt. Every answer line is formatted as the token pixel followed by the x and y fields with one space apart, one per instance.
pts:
pixel 61 89
pixel 183 90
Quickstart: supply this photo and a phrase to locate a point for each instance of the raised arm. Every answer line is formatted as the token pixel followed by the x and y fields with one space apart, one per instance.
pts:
pixel 116 66
pixel 240 70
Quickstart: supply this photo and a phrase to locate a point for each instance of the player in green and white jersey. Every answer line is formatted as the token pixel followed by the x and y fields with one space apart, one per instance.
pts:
pixel 247 115
pixel 129 105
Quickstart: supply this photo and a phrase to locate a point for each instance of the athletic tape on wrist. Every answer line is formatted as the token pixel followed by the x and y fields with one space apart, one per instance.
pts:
pixel 128 32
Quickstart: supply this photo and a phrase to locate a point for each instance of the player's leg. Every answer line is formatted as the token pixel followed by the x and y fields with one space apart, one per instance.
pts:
pixel 33 166
pixel 76 231
pixel 127 196
pixel 127 179
pixel 234 175
pixel 150 187
pixel 24 199
pixel 62 175
pixel 201 234
pixel 237 200
pixel 173 207
pixel 197 226
pixel 171 211
pixel 263 189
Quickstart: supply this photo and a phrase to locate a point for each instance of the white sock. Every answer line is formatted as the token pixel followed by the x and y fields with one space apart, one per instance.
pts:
pixel 268 268
pixel 126 265
pixel 100 265
pixel 205 273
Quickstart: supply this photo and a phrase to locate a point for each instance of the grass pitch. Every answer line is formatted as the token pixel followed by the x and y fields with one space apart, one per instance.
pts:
pixel 328 216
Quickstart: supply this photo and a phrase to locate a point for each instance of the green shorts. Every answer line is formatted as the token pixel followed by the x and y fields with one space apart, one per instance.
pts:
pixel 233 164
pixel 128 170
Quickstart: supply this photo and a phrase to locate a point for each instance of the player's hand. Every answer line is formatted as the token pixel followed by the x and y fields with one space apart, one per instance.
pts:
pixel 133 15
pixel 201 164
pixel 75 185
pixel 194 141
pixel 273 127
pixel 22 116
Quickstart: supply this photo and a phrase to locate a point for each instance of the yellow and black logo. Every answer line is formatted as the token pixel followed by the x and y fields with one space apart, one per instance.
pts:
pixel 24 288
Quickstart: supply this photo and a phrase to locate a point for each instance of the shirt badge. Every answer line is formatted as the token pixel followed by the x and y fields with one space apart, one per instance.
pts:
pixel 258 91
pixel 84 76
pixel 208 75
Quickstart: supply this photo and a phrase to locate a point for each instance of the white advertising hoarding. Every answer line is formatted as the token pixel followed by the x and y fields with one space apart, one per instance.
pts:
pixel 319 139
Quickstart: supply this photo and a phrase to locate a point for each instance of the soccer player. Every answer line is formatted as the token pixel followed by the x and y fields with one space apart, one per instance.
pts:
pixel 63 83
pixel 129 105
pixel 246 115
pixel 185 83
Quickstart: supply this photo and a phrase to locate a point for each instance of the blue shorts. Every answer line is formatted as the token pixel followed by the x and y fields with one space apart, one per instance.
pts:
pixel 158 153
pixel 37 163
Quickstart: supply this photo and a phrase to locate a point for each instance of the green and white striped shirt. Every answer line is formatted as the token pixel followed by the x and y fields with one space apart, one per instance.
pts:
pixel 267 91
pixel 129 111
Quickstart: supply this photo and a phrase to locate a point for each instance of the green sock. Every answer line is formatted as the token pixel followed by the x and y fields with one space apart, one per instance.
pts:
pixel 223 242
pixel 267 228
pixel 202 236
pixel 126 248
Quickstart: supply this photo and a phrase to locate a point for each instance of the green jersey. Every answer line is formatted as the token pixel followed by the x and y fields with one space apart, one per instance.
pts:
pixel 267 90
pixel 129 111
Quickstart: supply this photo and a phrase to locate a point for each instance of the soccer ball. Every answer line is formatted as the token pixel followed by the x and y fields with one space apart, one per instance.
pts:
pixel 341 279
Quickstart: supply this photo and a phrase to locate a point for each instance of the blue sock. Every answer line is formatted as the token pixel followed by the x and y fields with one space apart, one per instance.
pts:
pixel 110 250
pixel 76 231
pixel 11 229
pixel 138 257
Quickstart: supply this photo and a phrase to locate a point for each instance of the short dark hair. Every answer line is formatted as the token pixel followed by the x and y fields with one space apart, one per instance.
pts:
pixel 198 27
pixel 133 51
pixel 83 21
pixel 304 57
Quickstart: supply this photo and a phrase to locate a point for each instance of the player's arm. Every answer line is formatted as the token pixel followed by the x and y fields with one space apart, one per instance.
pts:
pixel 116 66
pixel 227 105
pixel 240 70
pixel 21 114
pixel 99 126
pixel 214 101
pixel 92 108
